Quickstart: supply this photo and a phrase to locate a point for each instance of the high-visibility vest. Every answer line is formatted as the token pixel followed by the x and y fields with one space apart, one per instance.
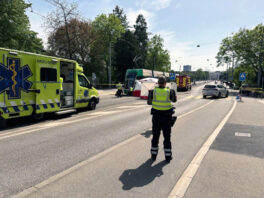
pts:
pixel 131 89
pixel 61 81
pixel 161 99
pixel 119 86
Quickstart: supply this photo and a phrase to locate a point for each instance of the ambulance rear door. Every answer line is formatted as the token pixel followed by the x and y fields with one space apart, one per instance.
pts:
pixel 15 84
pixel 47 84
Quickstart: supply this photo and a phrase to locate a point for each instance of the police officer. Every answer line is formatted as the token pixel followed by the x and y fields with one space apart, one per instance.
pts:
pixel 162 111
pixel 119 90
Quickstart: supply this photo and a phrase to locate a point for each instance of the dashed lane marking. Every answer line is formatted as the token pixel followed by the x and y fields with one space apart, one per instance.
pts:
pixel 198 97
pixel 185 180
pixel 54 178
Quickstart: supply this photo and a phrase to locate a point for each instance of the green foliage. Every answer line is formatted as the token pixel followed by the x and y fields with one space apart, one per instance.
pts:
pixel 157 57
pixel 108 29
pixel 245 49
pixel 142 40
pixel 15 30
pixel 125 52
pixel 119 13
pixel 199 74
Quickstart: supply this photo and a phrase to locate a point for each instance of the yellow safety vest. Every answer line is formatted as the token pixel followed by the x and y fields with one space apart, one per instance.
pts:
pixel 61 81
pixel 119 86
pixel 161 99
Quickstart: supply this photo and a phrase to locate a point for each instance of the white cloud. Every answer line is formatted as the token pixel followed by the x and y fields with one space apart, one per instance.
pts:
pixel 187 53
pixel 36 24
pixel 132 16
pixel 154 4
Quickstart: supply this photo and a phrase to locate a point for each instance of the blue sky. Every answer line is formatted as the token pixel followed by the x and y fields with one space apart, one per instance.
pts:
pixel 183 24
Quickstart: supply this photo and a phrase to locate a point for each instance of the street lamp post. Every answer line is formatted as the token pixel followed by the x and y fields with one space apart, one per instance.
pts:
pixel 110 64
pixel 110 60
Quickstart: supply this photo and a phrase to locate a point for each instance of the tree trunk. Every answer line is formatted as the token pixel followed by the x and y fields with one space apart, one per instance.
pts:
pixel 260 78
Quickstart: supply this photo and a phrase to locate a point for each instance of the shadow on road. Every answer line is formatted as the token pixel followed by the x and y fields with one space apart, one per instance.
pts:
pixel 141 176
pixel 147 133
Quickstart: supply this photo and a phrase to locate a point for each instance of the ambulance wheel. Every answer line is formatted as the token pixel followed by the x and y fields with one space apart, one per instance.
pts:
pixel 92 104
pixel 38 116
pixel 3 123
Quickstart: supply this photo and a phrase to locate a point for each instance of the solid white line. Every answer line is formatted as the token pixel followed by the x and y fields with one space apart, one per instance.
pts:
pixel 54 178
pixel 192 111
pixel 183 183
pixel 59 123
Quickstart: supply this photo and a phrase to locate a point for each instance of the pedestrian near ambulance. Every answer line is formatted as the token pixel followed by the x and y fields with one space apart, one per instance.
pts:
pixel 161 99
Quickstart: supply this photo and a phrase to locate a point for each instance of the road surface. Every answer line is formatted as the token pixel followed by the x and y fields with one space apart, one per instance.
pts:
pixel 105 153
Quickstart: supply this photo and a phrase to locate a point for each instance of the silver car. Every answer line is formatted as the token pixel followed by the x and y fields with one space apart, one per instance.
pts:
pixel 215 91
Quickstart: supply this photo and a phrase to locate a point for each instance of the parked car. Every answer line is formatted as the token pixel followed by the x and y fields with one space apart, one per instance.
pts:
pixel 215 91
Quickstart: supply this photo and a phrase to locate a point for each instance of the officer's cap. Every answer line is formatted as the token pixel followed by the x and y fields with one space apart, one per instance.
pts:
pixel 162 80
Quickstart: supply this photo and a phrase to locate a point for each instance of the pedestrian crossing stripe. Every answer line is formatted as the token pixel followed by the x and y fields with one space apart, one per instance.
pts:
pixel 189 97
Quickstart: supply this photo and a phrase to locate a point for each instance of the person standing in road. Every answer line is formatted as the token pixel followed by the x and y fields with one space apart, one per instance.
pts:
pixel 119 90
pixel 162 110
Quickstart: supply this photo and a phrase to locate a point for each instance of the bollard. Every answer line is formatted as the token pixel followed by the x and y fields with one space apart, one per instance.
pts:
pixel 239 98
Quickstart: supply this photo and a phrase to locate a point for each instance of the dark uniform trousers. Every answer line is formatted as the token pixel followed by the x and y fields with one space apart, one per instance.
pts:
pixel 161 121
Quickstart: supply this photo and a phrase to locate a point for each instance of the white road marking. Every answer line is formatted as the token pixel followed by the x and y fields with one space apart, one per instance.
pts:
pixel 54 178
pixel 185 180
pixel 242 134
pixel 192 111
pixel 58 123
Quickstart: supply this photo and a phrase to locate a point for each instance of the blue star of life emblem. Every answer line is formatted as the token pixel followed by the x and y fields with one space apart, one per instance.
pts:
pixel 13 78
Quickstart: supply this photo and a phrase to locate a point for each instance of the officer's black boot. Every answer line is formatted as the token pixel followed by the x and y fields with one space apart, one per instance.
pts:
pixel 154 152
pixel 168 155
pixel 168 158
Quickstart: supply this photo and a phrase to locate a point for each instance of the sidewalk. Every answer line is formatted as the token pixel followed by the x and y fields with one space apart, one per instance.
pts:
pixel 234 165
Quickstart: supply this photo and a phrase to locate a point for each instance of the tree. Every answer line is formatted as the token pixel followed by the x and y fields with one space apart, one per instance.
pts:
pixel 108 28
pixel 246 48
pixel 60 19
pixel 15 30
pixel 199 74
pixel 81 36
pixel 119 12
pixel 125 52
pixel 157 57
pixel 142 40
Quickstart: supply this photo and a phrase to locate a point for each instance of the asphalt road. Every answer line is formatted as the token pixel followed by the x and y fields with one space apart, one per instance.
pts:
pixel 35 152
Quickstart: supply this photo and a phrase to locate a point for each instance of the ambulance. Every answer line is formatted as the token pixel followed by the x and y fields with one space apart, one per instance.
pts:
pixel 34 85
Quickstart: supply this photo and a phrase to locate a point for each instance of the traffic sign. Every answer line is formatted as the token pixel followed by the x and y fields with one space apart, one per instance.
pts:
pixel 242 76
pixel 172 76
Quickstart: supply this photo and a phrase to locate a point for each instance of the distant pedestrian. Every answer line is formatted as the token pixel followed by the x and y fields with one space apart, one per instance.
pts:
pixel 162 111
pixel 119 90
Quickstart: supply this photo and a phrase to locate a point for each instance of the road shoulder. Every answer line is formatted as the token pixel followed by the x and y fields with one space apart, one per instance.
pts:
pixel 234 164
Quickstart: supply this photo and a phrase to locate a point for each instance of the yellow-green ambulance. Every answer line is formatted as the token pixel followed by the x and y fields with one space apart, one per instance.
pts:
pixel 33 84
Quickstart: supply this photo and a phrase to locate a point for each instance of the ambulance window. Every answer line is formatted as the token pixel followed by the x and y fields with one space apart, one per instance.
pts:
pixel 82 81
pixel 48 75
